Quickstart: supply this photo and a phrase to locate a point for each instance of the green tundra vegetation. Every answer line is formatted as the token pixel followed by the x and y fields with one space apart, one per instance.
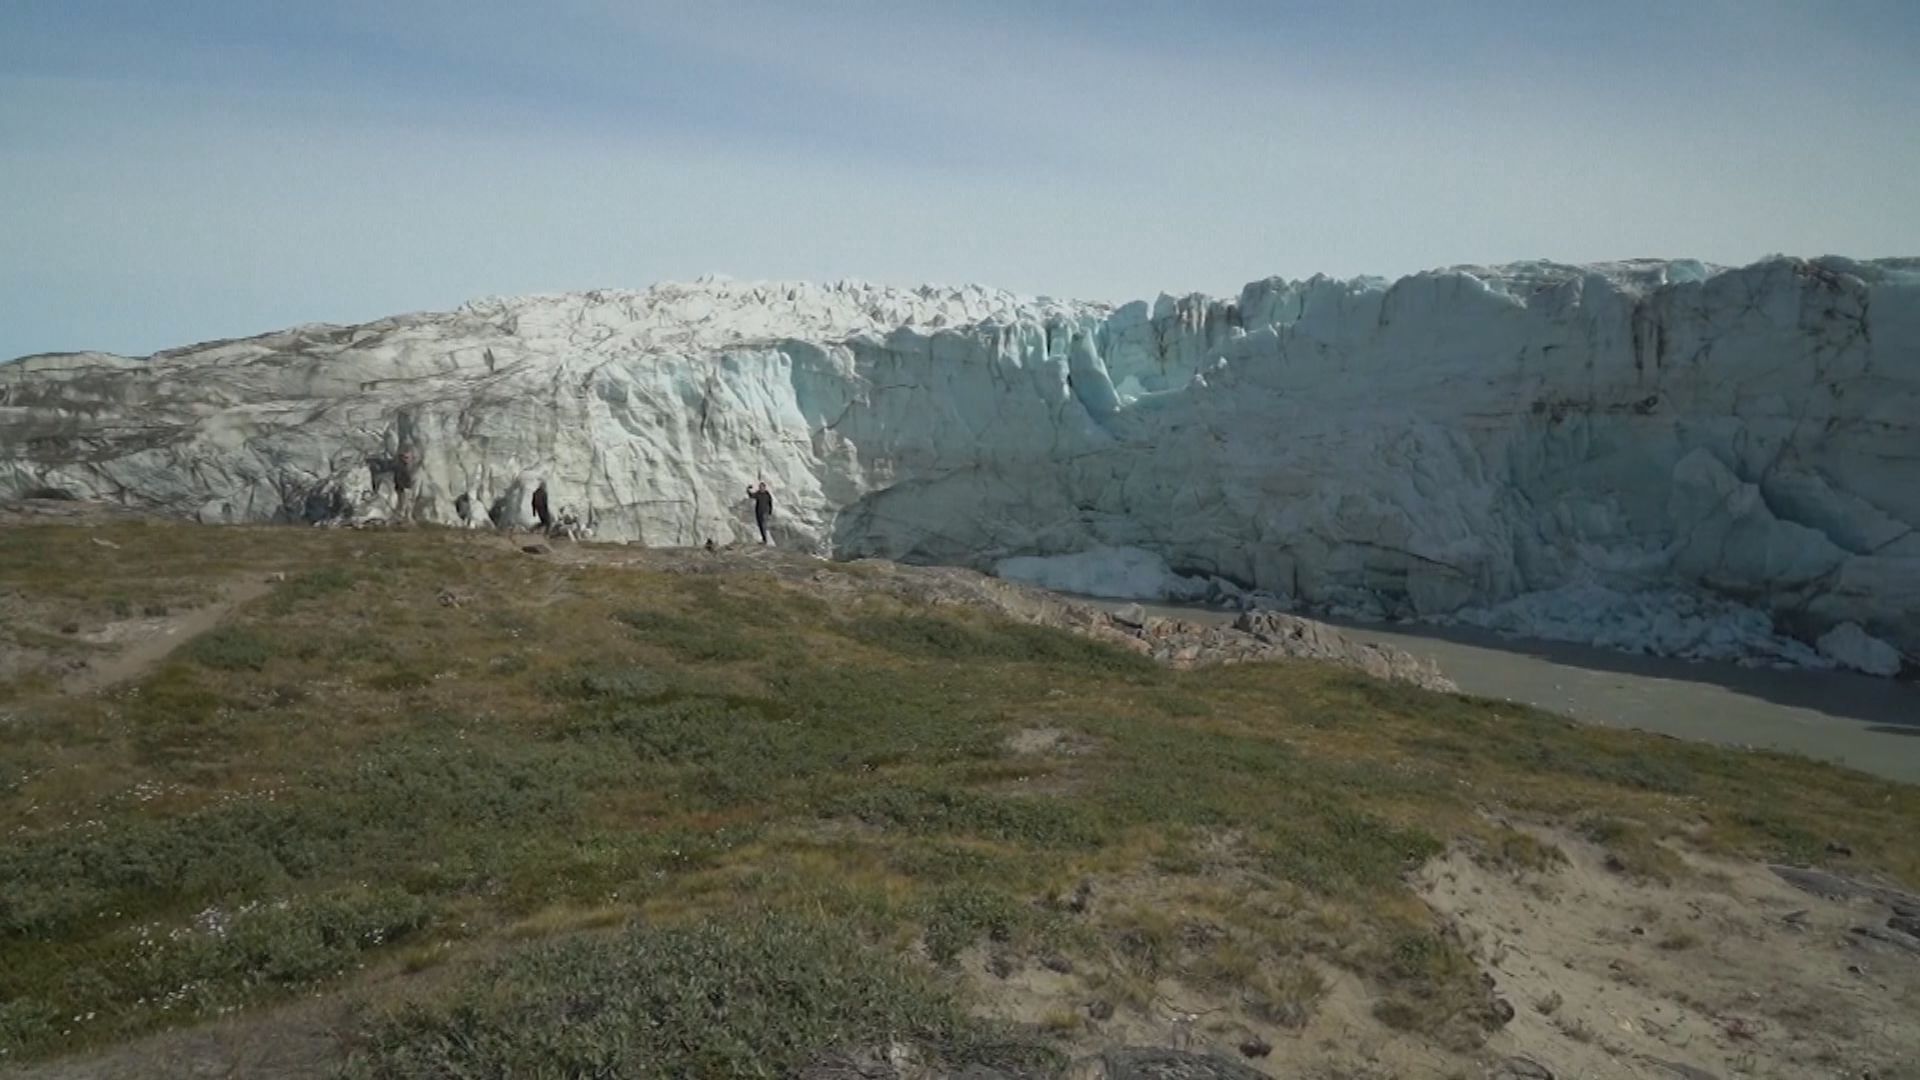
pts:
pixel 524 816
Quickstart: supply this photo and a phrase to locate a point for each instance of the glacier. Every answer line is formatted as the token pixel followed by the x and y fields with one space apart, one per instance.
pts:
pixel 1499 445
pixel 1112 573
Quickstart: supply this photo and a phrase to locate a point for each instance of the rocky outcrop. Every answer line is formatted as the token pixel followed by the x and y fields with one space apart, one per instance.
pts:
pixel 1256 636
pixel 1181 643
pixel 1442 444
pixel 1305 638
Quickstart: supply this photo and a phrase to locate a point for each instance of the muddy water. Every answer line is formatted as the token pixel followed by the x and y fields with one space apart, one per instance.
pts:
pixel 1867 723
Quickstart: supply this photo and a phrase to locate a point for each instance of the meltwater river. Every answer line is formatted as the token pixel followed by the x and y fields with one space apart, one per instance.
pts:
pixel 1863 722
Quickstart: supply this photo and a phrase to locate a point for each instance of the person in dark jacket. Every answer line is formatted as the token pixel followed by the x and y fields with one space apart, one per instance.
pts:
pixel 540 509
pixel 762 509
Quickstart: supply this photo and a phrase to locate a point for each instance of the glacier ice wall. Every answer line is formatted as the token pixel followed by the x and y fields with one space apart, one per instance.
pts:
pixel 1451 440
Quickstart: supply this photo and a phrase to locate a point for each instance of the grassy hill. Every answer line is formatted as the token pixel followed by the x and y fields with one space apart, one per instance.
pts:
pixel 485 813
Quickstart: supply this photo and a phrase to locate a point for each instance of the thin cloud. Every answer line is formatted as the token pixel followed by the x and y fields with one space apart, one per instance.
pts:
pixel 177 172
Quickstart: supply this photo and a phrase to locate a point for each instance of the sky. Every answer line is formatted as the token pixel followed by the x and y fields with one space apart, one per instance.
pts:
pixel 183 170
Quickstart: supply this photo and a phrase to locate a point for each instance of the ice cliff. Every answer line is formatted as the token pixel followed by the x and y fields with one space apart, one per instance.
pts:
pixel 1461 443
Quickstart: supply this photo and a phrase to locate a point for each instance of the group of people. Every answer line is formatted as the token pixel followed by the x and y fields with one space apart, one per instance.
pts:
pixel 402 467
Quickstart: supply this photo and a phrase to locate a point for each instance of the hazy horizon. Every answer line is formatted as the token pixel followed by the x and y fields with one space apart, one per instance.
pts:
pixel 1114 301
pixel 185 172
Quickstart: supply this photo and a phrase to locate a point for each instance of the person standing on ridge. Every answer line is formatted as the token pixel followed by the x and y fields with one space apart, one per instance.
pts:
pixel 403 483
pixel 540 509
pixel 762 509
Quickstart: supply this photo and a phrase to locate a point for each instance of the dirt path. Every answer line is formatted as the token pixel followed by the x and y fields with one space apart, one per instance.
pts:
pixel 135 646
pixel 1866 723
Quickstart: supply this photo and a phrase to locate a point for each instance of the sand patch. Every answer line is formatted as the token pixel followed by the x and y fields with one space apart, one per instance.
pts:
pixel 1731 971
pixel 1048 742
